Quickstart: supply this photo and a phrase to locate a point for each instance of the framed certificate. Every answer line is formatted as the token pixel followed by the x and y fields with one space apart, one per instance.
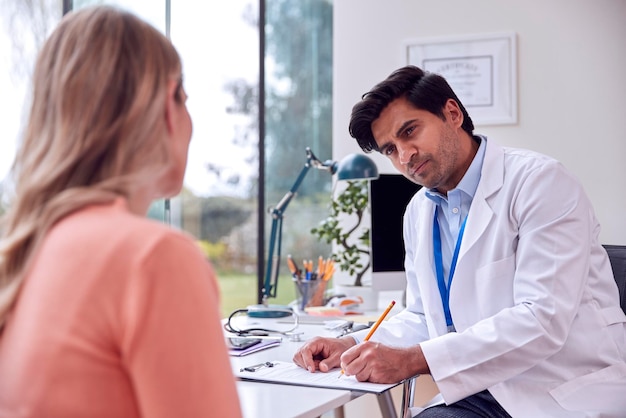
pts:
pixel 481 69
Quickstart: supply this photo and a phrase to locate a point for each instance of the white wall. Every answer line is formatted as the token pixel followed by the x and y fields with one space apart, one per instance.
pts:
pixel 571 70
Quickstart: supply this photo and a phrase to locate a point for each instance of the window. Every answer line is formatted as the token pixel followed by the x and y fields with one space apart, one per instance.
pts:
pixel 23 29
pixel 297 114
pixel 226 190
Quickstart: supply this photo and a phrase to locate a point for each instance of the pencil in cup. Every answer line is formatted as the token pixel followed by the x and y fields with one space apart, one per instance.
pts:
pixel 325 271
pixel 376 325
pixel 318 296
pixel 311 283
pixel 306 292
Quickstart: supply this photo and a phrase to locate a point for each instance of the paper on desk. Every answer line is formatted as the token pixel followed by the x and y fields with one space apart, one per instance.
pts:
pixel 290 374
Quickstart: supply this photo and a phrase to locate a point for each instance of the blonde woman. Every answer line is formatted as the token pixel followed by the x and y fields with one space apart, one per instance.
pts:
pixel 105 313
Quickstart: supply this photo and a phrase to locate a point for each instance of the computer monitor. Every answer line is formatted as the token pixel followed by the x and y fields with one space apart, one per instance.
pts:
pixel 389 196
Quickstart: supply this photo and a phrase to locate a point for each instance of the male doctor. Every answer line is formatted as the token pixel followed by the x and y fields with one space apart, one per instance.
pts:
pixel 511 303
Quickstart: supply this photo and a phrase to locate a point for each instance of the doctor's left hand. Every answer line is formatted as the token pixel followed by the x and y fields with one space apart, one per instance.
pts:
pixel 322 353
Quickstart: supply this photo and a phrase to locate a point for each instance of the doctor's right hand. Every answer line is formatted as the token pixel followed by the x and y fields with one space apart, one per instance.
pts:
pixel 322 354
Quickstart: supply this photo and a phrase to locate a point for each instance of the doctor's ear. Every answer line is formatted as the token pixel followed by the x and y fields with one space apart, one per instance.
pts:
pixel 453 113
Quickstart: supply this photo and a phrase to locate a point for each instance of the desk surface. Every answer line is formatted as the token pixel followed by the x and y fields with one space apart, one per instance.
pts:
pixel 264 400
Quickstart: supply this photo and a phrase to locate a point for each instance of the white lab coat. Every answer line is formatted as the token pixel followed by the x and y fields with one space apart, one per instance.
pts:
pixel 533 297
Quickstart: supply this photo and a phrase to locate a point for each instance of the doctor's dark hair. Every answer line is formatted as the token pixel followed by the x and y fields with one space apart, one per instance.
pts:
pixel 426 91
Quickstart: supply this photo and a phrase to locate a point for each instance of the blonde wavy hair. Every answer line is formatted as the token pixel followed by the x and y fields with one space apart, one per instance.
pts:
pixel 96 128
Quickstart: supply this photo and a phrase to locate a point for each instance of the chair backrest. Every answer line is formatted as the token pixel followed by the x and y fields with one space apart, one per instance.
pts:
pixel 617 256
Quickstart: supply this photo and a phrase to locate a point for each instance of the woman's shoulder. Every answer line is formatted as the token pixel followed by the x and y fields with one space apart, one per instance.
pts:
pixel 113 225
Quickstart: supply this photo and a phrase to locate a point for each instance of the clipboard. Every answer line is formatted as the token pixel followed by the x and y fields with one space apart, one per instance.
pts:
pixel 289 373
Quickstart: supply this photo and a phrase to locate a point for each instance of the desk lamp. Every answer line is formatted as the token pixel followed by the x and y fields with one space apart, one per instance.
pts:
pixel 351 167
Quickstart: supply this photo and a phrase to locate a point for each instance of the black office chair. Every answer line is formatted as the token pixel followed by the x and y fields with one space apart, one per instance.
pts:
pixel 617 257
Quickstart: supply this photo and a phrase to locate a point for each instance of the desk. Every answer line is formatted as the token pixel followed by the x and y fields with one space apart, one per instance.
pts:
pixel 265 400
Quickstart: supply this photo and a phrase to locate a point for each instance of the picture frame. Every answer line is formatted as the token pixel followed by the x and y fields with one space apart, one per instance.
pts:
pixel 481 69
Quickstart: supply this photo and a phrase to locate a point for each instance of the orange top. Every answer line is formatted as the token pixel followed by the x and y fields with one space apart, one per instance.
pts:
pixel 118 317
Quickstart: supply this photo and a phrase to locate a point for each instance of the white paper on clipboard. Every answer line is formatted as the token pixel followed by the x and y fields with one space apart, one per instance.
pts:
pixel 290 374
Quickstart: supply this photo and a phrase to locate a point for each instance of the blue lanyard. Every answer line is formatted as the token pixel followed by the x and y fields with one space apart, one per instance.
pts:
pixel 444 290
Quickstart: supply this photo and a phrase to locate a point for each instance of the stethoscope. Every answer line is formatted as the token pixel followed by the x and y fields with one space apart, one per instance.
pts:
pixel 257 332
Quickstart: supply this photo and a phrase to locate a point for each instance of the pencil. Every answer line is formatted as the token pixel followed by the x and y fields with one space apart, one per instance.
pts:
pixel 375 326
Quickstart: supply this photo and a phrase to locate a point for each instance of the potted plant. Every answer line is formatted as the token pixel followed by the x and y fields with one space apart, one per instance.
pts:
pixel 343 229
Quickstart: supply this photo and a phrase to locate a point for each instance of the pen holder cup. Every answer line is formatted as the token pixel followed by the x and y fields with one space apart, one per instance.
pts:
pixel 310 293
